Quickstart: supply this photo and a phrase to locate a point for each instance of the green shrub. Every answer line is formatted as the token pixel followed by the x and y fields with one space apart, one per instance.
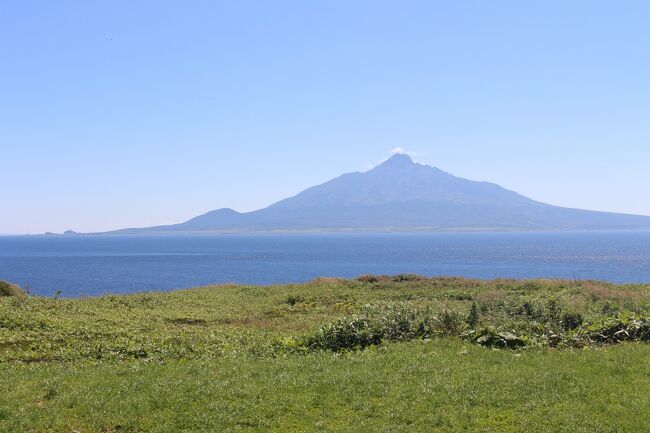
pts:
pixel 618 329
pixel 372 326
pixel 8 289
pixel 491 337
pixel 408 277
pixel 473 316
pixel 527 309
pixel 376 324
pixel 571 321
pixel 553 311
pixel 449 322
pixel 295 299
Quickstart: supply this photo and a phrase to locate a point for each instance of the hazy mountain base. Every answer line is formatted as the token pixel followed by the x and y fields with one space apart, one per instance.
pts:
pixel 226 359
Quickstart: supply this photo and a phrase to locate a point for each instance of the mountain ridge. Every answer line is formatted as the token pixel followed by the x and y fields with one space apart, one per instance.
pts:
pixel 400 194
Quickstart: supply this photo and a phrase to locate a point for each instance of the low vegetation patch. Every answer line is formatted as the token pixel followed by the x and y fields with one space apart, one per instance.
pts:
pixel 8 289
pixel 381 323
pixel 453 354
pixel 372 326
pixel 323 315
pixel 617 329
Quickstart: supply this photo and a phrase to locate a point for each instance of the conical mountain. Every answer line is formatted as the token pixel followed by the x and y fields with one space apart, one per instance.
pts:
pixel 400 194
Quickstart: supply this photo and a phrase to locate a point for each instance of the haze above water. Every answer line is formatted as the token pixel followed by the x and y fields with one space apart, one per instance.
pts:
pixel 93 265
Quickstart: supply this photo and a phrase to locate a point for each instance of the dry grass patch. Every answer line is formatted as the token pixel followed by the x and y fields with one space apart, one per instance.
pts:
pixel 9 289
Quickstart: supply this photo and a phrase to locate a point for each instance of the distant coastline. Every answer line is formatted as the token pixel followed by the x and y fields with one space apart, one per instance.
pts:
pixel 387 230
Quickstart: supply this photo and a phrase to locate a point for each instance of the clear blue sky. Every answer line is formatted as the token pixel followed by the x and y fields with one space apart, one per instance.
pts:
pixel 121 113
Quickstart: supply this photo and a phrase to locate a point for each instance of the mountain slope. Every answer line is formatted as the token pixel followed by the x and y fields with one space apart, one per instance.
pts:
pixel 403 195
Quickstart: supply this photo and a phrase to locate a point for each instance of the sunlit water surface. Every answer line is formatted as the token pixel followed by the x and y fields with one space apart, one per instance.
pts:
pixel 93 265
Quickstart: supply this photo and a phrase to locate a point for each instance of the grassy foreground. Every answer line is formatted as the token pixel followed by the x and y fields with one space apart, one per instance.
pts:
pixel 439 355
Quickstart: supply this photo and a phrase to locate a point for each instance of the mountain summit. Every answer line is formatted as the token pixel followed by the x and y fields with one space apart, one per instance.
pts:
pixel 400 194
pixel 398 160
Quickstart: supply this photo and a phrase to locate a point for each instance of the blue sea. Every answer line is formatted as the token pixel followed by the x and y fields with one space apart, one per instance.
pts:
pixel 94 265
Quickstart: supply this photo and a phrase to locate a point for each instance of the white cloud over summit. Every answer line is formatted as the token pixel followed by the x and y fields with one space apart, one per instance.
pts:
pixel 394 151
pixel 402 151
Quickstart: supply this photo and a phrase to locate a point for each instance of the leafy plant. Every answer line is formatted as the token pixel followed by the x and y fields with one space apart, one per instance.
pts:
pixel 618 329
pixel 295 299
pixel 473 316
pixel 491 337
pixel 372 326
pixel 553 311
pixel 449 322
pixel 571 321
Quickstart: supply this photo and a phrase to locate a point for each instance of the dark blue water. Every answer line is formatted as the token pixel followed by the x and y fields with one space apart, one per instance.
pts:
pixel 92 265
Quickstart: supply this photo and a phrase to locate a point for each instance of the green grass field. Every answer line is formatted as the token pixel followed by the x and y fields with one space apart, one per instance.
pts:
pixel 378 354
